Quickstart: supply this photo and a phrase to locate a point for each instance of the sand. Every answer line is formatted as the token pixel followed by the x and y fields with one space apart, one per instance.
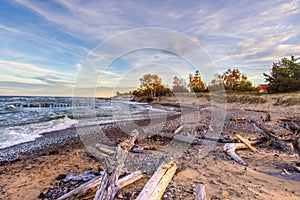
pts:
pixel 223 177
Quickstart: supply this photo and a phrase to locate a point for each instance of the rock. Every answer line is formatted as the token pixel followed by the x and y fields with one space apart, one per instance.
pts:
pixel 225 193
pixel 60 177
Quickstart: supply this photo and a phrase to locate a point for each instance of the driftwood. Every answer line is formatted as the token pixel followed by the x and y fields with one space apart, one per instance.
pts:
pixel 238 119
pixel 94 183
pixel 178 137
pixel 131 178
pixel 178 129
pixel 268 135
pixel 246 142
pixel 106 149
pixel 296 144
pixel 230 149
pixel 108 186
pixel 200 192
pixel 157 184
pixel 198 140
pixel 216 139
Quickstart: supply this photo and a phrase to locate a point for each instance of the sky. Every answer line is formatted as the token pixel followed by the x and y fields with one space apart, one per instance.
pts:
pixel 77 47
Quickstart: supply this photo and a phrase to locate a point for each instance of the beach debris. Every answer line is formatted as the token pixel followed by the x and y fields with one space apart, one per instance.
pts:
pixel 230 149
pixel 238 119
pixel 86 176
pixel 283 175
pixel 104 149
pixel 179 129
pixel 62 187
pixel 94 183
pixel 108 186
pixel 271 137
pixel 82 189
pixel 200 191
pixel 246 142
pixel 139 149
pixel 159 181
pixel 179 137
pixel 296 143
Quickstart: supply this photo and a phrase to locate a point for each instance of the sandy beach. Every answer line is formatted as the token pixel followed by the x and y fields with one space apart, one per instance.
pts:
pixel 29 170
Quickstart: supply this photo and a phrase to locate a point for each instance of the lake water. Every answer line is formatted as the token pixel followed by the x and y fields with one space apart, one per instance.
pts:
pixel 23 119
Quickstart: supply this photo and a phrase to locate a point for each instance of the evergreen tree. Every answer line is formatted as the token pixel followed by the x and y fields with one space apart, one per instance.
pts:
pixel 284 76
pixel 196 84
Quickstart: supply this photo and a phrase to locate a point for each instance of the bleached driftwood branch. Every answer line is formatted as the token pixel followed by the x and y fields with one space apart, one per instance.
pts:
pixel 157 184
pixel 94 183
pixel 108 186
pixel 200 192
pixel 230 149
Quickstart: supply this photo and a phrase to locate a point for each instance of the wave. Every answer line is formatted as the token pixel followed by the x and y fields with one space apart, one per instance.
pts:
pixel 19 134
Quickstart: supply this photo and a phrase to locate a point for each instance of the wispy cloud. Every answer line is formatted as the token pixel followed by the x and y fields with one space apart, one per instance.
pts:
pixel 59 36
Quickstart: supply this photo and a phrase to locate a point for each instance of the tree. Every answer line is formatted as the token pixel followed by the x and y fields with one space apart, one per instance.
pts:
pixel 284 76
pixel 196 84
pixel 150 83
pixel 233 79
pixel 151 86
pixel 179 85
pixel 245 85
pixel 217 83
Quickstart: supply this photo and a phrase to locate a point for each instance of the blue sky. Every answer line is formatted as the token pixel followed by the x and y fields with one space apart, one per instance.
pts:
pixel 45 44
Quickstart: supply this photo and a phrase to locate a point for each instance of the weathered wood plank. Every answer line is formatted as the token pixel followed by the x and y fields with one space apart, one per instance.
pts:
pixel 157 184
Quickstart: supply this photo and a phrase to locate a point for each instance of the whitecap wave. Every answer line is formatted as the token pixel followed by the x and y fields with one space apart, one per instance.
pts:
pixel 19 134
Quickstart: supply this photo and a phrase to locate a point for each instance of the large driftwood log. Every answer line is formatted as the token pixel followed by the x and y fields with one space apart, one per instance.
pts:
pixel 270 137
pixel 94 183
pixel 192 140
pixel 200 192
pixel 157 184
pixel 108 186
pixel 178 137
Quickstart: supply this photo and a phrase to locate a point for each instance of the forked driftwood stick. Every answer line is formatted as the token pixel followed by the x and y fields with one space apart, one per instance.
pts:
pixel 94 183
pixel 108 186
pixel 157 184
pixel 200 191
pixel 230 149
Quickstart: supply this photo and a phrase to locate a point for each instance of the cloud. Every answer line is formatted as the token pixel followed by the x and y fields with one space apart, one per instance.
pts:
pixel 244 34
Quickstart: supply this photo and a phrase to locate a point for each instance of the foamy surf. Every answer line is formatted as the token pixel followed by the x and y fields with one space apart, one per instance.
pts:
pixel 20 134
